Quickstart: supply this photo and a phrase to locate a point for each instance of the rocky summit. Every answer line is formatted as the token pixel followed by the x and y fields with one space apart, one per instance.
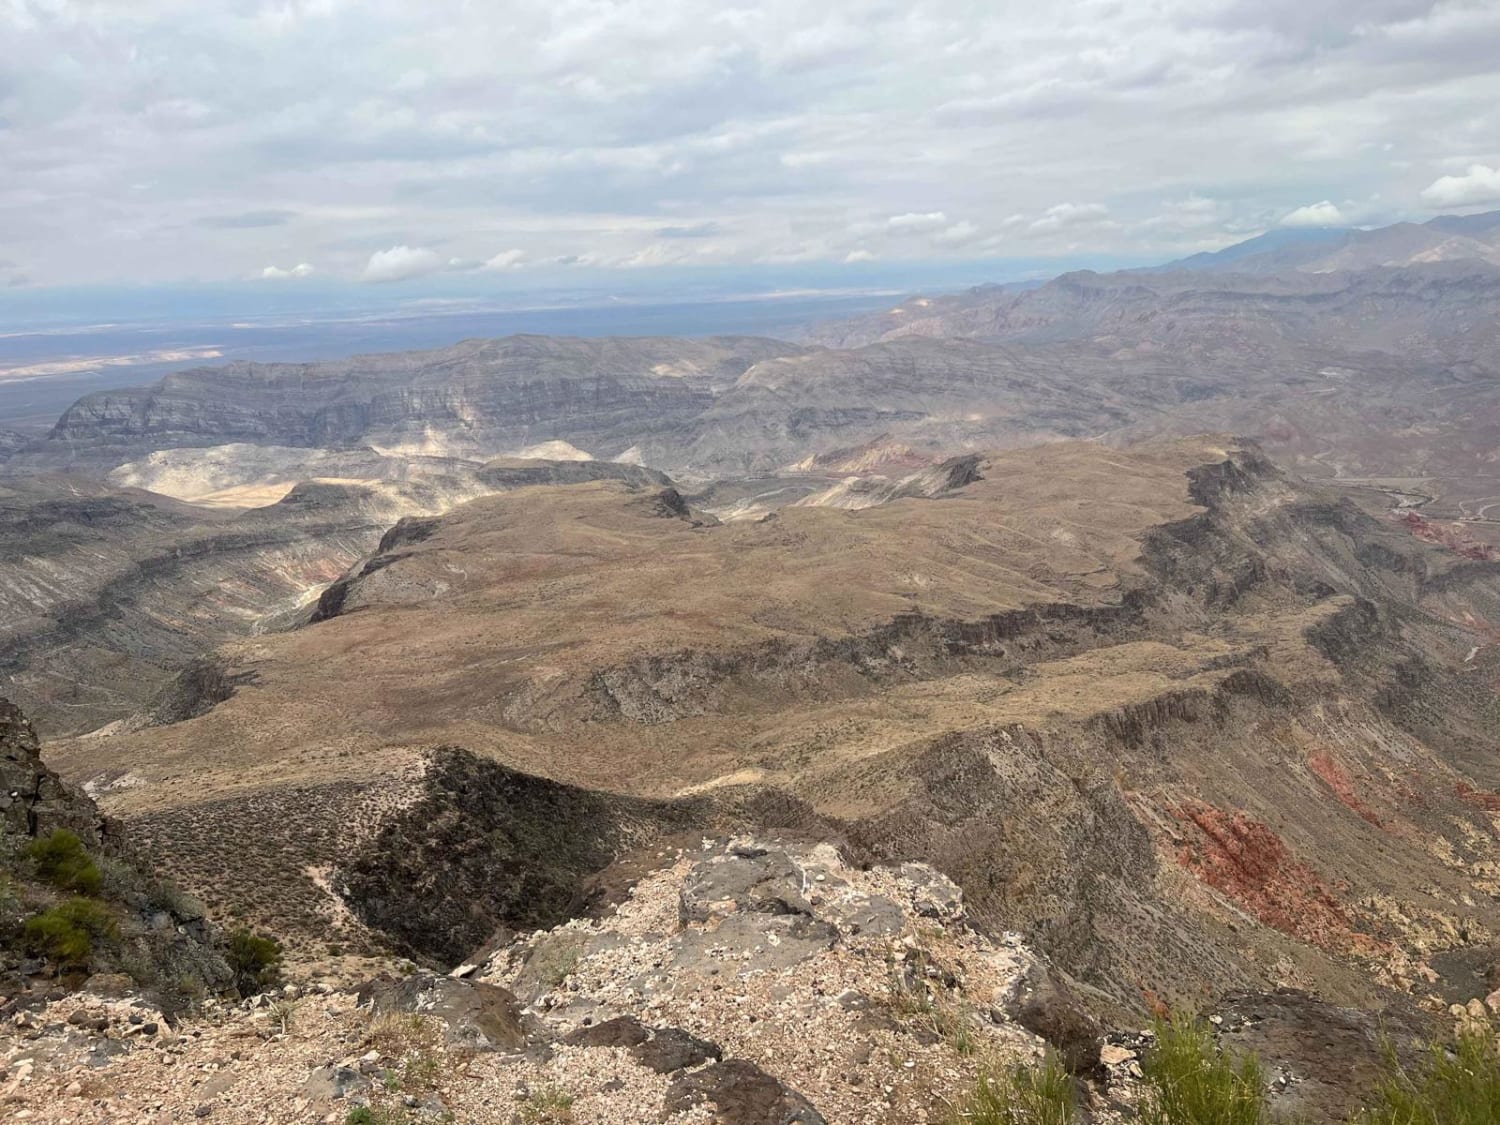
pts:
pixel 738 980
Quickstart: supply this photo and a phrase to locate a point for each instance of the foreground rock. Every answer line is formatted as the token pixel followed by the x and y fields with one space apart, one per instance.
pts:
pixel 789 986
pixel 745 982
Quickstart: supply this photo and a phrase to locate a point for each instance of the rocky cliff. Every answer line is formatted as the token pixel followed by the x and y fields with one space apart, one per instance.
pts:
pixel 85 907
pixel 479 398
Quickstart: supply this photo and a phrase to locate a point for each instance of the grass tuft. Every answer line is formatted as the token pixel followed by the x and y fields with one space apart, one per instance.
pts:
pixel 1193 1083
pixel 1022 1096
pixel 1459 1085
pixel 547 1105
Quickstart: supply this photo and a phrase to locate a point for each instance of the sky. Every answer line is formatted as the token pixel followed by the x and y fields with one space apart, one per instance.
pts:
pixel 400 146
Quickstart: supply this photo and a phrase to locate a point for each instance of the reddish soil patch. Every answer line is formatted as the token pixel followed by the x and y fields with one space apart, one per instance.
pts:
pixel 1251 865
pixel 1479 798
pixel 1451 535
pixel 1337 778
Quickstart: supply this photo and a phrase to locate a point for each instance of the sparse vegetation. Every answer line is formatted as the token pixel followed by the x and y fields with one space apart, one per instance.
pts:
pixel 255 961
pixel 1457 1086
pixel 373 1115
pixel 547 1105
pixel 61 859
pixel 283 1012
pixel 1022 1095
pixel 1193 1082
pixel 913 1000
pixel 1190 1080
pixel 555 958
pixel 66 933
pixel 401 1033
pixel 10 904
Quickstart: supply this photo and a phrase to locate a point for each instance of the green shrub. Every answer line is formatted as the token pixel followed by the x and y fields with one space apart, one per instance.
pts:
pixel 373 1115
pixel 548 1105
pixel 67 932
pixel 1457 1086
pixel 1022 1096
pixel 1191 1082
pixel 163 894
pixel 62 860
pixel 254 960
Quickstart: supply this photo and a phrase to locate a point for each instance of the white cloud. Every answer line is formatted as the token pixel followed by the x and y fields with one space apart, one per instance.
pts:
pixel 1480 184
pixel 1065 215
pixel 856 256
pixel 914 222
pixel 1323 214
pixel 959 234
pixel 400 263
pixel 276 273
pixel 506 260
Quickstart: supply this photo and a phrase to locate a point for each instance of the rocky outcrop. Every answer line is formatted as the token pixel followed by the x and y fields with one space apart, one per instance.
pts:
pixel 34 801
pixel 686 1002
pixel 679 1004
pixel 1322 1059
pixel 483 846
pixel 773 982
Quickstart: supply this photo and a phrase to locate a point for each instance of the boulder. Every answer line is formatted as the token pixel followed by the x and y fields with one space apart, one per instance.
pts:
pixel 482 1016
pixel 331 1083
pixel 742 1094
pixel 744 878
pixel 665 1050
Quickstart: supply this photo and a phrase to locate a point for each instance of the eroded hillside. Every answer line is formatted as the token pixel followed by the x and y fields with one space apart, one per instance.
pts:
pixel 1188 723
pixel 108 593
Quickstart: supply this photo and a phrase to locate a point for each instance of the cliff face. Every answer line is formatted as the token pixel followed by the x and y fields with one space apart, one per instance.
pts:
pixel 478 398
pixel 1316 366
pixel 34 801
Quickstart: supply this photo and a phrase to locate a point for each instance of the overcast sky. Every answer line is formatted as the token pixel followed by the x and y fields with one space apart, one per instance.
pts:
pixel 165 141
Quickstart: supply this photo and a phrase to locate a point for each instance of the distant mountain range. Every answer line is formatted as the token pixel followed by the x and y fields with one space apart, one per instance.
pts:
pixel 1327 249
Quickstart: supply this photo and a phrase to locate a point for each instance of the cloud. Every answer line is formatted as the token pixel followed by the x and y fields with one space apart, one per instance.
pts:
pixel 696 230
pixel 916 222
pixel 856 256
pixel 276 273
pixel 600 129
pixel 505 260
pixel 1065 215
pixel 959 234
pixel 1324 214
pixel 1480 184
pixel 247 220
pixel 401 263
